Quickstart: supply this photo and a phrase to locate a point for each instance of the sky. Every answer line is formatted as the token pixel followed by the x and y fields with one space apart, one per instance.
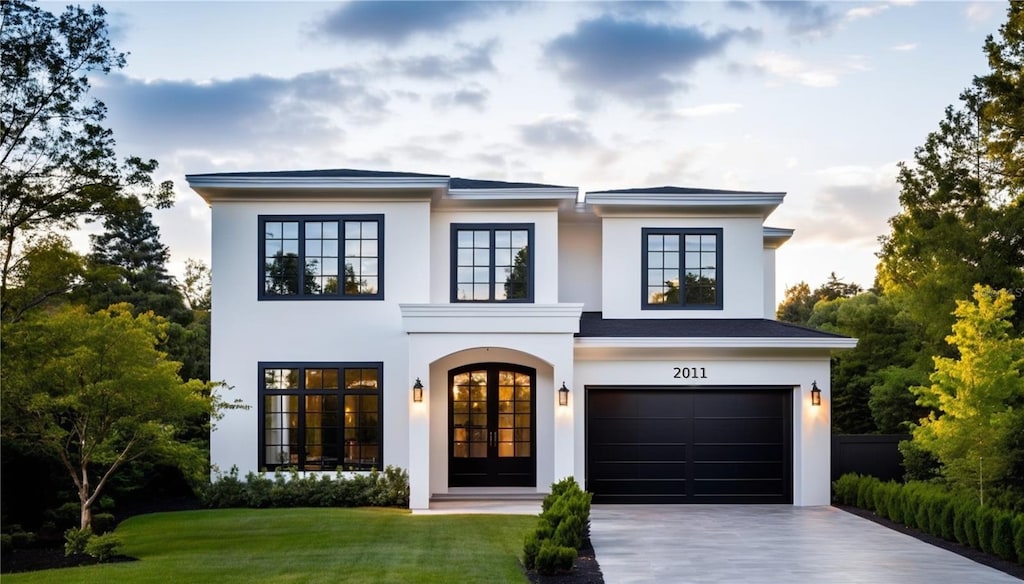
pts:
pixel 821 100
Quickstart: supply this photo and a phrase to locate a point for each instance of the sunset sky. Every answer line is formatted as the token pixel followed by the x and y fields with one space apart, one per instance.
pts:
pixel 820 100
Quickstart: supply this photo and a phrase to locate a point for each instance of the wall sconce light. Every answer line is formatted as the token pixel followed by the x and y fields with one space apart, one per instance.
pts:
pixel 815 394
pixel 563 395
pixel 417 391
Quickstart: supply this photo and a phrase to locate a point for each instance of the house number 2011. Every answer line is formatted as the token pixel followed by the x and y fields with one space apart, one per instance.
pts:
pixel 690 373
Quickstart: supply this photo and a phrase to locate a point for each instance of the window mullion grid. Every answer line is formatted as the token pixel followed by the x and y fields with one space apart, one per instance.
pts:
pixel 491 269
pixel 302 411
pixel 302 258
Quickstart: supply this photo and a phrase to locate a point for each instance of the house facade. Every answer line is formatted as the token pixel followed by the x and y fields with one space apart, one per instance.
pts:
pixel 494 337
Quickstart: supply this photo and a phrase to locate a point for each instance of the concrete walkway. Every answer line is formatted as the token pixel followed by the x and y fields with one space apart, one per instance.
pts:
pixel 769 544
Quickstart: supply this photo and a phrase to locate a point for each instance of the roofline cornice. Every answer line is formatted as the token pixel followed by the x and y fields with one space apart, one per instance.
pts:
pixel 685 200
pixel 523 193
pixel 716 343
pixel 346 182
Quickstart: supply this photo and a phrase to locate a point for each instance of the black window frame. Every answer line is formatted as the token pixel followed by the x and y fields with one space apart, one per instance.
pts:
pixel 492 227
pixel 262 220
pixel 682 232
pixel 301 392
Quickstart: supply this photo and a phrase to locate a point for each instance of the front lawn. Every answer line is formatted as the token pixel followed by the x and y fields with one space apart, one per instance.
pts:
pixel 309 545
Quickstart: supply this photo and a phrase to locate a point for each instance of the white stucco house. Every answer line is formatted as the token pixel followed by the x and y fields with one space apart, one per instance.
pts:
pixel 625 337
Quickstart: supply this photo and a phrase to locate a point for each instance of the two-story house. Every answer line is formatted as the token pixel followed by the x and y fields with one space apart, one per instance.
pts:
pixel 493 337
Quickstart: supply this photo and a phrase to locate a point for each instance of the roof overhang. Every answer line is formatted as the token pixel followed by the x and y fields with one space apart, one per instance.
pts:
pixel 613 203
pixel 792 343
pixel 227 187
pixel 774 237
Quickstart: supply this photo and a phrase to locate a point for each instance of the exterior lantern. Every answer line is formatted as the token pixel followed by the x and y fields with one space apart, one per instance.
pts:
pixel 563 395
pixel 417 391
pixel 815 394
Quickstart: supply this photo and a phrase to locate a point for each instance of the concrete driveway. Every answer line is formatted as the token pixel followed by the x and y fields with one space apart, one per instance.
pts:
pixel 770 544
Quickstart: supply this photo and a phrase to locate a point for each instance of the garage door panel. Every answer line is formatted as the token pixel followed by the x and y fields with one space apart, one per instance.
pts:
pixel 759 488
pixel 651 488
pixel 736 430
pixel 743 451
pixel 730 445
pixel 737 470
pixel 641 470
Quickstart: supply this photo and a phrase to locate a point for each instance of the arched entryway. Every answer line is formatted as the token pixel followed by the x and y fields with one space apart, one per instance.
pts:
pixel 492 426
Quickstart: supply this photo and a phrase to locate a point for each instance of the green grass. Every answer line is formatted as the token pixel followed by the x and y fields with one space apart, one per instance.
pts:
pixel 308 545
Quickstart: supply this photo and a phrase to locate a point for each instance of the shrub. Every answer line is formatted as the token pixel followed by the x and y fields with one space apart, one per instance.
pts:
pixel 553 559
pixel 569 532
pixel 291 489
pixel 844 489
pixel 1018 537
pixel 918 463
pixel 947 506
pixel 971 528
pixel 22 539
pixel 6 543
pixel 103 522
pixel 1002 535
pixel 531 546
pixel 986 520
pixel 104 547
pixel 75 540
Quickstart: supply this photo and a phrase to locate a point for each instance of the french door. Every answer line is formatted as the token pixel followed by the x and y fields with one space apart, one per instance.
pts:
pixel 491 426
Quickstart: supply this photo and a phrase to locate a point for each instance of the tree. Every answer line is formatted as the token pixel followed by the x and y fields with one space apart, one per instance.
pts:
pixel 131 247
pixel 975 398
pixel 1003 111
pixel 46 273
pixel 93 390
pixel 799 302
pixel 887 341
pixel 195 286
pixel 57 161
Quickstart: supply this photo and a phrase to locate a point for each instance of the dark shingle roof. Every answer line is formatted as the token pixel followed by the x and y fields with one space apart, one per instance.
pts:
pixel 678 191
pixel 325 173
pixel 592 324
pixel 469 183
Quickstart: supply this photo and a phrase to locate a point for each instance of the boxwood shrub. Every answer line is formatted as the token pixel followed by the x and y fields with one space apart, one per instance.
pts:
pixel 389 488
pixel 933 509
pixel 563 525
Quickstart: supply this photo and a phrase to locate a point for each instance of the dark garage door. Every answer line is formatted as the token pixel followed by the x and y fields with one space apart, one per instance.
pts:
pixel 727 445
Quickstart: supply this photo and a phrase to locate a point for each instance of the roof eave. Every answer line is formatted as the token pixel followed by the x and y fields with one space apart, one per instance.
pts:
pixel 838 343
pixel 212 187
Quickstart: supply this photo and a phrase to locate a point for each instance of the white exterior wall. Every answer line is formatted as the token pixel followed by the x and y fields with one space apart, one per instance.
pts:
pixel 769 283
pixel 545 256
pixel 741 269
pixel 579 260
pixel 811 425
pixel 246 331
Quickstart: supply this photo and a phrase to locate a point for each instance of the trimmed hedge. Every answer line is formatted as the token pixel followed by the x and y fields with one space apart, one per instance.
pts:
pixel 374 489
pixel 564 523
pixel 931 508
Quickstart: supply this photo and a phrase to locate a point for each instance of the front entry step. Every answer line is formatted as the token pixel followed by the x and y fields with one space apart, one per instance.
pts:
pixel 487 495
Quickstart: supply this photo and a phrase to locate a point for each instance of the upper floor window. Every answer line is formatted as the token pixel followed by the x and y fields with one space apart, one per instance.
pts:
pixel 322 257
pixel 320 416
pixel 492 262
pixel 682 268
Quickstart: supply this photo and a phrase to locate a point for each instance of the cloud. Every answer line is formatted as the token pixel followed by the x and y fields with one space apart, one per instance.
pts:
pixel 813 19
pixel 475 98
pixel 557 133
pixel 241 113
pixel 979 12
pixel 792 69
pixel 475 59
pixel 707 110
pixel 394 22
pixel 853 203
pixel 904 47
pixel 636 60
pixel 866 11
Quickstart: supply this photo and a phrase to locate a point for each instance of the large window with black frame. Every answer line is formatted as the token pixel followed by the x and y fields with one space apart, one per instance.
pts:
pixel 492 263
pixel 682 268
pixel 320 416
pixel 321 257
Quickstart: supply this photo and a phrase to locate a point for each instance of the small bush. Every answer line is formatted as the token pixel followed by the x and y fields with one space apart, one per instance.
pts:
pixel 971 528
pixel 918 463
pixel 389 488
pixel 75 540
pixel 554 559
pixel 1002 536
pixel 531 546
pixel 103 523
pixel 844 490
pixel 1018 537
pixel 6 543
pixel 986 521
pixel 22 539
pixel 104 547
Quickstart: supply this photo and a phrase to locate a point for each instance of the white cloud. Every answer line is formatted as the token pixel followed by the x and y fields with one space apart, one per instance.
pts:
pixel 707 110
pixel 978 12
pixel 904 47
pixel 793 69
pixel 866 11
